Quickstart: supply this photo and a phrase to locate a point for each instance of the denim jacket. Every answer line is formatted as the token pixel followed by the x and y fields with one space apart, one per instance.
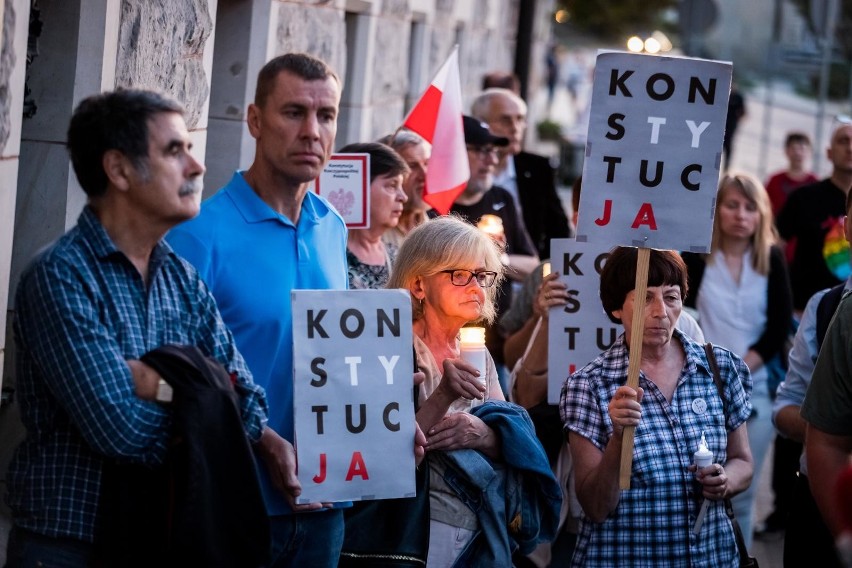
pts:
pixel 516 500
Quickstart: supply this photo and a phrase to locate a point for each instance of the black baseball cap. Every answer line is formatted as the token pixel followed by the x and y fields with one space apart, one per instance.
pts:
pixel 476 133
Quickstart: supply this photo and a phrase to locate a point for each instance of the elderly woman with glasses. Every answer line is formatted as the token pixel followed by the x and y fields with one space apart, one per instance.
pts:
pixel 450 268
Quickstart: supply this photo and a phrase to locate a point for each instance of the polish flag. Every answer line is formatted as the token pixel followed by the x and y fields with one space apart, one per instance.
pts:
pixel 437 117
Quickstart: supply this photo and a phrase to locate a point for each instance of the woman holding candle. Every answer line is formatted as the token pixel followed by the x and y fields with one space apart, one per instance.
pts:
pixel 369 257
pixel 677 400
pixel 451 270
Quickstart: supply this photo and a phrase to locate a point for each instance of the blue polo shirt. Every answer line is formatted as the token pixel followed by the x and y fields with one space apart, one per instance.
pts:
pixel 251 257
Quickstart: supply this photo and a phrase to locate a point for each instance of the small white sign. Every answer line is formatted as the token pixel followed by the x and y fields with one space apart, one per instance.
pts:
pixel 345 183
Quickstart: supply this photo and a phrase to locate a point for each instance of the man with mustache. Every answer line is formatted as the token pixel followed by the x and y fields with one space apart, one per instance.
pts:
pixel 90 306
pixel 261 236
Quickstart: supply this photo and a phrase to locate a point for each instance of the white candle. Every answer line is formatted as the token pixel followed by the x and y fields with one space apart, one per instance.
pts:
pixel 472 348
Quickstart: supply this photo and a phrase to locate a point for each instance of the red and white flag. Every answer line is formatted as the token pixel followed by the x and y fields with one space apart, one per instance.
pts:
pixel 437 117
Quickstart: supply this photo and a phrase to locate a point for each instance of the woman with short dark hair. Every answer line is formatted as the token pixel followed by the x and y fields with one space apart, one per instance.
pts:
pixel 676 404
pixel 367 254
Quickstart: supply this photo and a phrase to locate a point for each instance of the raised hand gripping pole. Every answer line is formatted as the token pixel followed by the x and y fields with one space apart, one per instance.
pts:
pixel 635 359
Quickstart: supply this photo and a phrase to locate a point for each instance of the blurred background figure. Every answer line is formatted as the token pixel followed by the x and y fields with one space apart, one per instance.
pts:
pixel 501 80
pixel 416 153
pixel 742 293
pixel 552 64
pixel 528 177
pixel 797 149
pixel 736 112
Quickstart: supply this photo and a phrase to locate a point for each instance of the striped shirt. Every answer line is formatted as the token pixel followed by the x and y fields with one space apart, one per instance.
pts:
pixel 652 524
pixel 82 310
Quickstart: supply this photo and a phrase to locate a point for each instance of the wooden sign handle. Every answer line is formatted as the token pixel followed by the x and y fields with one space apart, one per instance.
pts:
pixel 637 332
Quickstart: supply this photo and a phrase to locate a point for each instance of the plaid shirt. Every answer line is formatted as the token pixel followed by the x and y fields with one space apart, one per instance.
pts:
pixel 82 310
pixel 652 524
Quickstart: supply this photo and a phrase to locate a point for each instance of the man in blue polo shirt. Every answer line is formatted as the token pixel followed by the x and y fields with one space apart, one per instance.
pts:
pixel 261 236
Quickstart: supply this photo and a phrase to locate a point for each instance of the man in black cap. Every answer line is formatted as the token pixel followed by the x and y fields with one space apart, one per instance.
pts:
pixel 481 198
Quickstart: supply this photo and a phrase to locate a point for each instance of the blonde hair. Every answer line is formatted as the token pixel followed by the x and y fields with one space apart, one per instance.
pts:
pixel 765 235
pixel 445 243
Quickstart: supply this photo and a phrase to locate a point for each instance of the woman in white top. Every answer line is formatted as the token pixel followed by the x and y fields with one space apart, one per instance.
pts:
pixel 742 293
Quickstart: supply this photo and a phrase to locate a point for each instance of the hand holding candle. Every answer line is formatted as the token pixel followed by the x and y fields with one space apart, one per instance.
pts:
pixel 702 458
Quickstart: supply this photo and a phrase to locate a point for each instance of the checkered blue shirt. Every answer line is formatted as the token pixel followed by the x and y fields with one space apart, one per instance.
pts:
pixel 652 524
pixel 82 309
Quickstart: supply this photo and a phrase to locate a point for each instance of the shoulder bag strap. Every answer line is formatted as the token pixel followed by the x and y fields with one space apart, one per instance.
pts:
pixel 729 508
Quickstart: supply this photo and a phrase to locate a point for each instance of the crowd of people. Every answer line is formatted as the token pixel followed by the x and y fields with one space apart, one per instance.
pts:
pixel 120 456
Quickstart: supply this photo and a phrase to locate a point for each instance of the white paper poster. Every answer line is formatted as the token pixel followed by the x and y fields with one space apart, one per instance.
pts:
pixel 653 152
pixel 353 394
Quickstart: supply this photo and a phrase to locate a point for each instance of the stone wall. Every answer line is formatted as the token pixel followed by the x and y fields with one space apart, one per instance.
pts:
pixel 7 63
pixel 161 45
pixel 318 30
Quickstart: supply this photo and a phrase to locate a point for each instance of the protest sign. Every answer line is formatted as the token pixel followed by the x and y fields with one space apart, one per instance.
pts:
pixel 345 183
pixel 353 394
pixel 653 151
pixel 579 331
pixel 651 168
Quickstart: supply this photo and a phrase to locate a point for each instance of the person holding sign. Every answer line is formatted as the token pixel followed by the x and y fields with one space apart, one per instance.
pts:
pixel 677 401
pixel 451 270
pixel 369 257
pixel 259 237
pixel 742 293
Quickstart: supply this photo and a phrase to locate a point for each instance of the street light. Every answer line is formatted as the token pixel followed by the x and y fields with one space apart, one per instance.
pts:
pixel 635 44
pixel 656 43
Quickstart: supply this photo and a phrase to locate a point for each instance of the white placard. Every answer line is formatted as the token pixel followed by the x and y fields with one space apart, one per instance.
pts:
pixel 653 151
pixel 353 394
pixel 579 331
pixel 345 183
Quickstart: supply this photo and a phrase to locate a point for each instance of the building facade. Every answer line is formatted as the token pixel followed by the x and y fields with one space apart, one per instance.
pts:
pixel 206 53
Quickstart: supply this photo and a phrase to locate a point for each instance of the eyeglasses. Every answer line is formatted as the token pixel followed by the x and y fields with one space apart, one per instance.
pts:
pixel 462 277
pixel 484 151
pixel 843 119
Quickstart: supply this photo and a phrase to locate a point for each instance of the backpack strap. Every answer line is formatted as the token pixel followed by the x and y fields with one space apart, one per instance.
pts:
pixel 717 378
pixel 825 311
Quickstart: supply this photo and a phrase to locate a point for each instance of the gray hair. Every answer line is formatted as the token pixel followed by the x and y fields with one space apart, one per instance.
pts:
pixel 482 103
pixel 402 139
pixel 444 243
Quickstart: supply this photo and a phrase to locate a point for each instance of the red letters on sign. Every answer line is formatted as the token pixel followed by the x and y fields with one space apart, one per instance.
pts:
pixel 357 467
pixel 320 477
pixel 645 216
